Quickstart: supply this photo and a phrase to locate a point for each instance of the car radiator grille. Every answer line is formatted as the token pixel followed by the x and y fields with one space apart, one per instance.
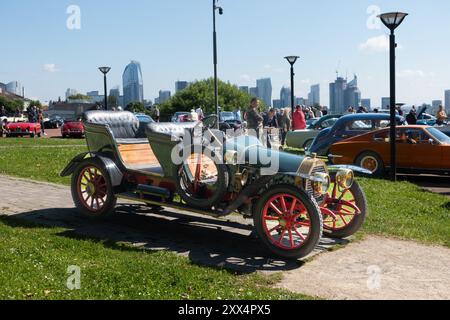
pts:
pixel 309 188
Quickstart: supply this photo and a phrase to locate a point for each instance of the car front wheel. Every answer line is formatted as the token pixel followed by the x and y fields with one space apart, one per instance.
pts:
pixel 92 190
pixel 288 222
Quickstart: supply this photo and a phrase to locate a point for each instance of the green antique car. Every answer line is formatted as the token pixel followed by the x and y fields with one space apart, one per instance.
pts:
pixel 292 200
pixel 302 139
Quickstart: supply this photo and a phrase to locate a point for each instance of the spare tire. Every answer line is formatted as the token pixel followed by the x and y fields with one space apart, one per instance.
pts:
pixel 202 180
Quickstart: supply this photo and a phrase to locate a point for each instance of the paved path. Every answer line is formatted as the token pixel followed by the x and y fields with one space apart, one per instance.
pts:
pixel 375 268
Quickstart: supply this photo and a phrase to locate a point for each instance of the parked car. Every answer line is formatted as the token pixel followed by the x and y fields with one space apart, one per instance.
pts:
pixel 21 129
pixel 350 126
pixel 179 117
pixel 289 205
pixel 72 129
pixel 303 139
pixel 228 120
pixel 144 120
pixel 425 119
pixel 54 122
pixel 420 149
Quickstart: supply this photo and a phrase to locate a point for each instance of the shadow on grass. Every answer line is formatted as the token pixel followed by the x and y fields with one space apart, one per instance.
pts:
pixel 205 241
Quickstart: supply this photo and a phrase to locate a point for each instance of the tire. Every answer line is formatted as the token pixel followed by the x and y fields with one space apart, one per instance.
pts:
pixel 279 248
pixel 205 201
pixel 376 163
pixel 308 144
pixel 103 189
pixel 32 135
pixel 359 199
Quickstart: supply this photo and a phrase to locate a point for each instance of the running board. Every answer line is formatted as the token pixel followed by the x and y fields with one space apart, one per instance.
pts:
pixel 131 196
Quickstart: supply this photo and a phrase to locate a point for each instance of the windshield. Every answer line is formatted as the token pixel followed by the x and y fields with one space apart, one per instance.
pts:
pixel 227 116
pixel 145 119
pixel 439 135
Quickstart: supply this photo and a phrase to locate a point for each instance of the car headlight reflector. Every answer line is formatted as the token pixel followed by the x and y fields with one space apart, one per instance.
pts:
pixel 321 183
pixel 345 178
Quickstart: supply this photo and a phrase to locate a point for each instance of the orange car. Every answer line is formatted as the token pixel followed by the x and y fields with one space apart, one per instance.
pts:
pixel 420 149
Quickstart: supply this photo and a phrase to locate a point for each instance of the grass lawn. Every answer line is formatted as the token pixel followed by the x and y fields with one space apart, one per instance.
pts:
pixel 34 262
pixel 27 142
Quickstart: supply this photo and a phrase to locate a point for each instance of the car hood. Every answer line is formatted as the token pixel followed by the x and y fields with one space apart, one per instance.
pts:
pixel 20 125
pixel 250 151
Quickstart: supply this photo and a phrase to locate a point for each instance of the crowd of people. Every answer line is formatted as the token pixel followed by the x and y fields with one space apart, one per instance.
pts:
pixel 281 119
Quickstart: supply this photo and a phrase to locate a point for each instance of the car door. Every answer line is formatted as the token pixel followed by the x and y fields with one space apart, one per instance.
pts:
pixel 405 150
pixel 424 151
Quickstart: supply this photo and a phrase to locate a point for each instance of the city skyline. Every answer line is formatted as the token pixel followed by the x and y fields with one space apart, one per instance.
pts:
pixel 47 73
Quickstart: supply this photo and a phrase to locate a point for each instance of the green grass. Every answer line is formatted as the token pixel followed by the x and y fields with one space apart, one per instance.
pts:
pixel 27 142
pixel 42 164
pixel 34 262
pixel 404 210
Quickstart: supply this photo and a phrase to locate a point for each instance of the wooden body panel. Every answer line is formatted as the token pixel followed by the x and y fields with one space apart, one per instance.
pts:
pixel 138 155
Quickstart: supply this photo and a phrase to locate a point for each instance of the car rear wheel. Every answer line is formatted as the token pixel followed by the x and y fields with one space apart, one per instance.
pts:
pixel 344 211
pixel 92 190
pixel 372 162
pixel 288 222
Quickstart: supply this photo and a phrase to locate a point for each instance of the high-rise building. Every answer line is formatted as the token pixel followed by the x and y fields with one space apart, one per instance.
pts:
pixel 352 95
pixel 337 93
pixel 96 96
pixel 181 85
pixel 447 100
pixel 254 92
pixel 314 95
pixel 385 102
pixel 265 90
pixel 435 104
pixel 2 87
pixel 133 84
pixel 70 93
pixel 15 87
pixel 164 95
pixel 366 103
pixel 277 104
pixel 285 97
pixel 244 89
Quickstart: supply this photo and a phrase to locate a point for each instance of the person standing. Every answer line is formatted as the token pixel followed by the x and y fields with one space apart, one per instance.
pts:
pixel 200 113
pixel 298 119
pixel 41 121
pixel 254 118
pixel 270 123
pixel 157 114
pixel 411 118
pixel 441 116
pixel 284 125
pixel 2 111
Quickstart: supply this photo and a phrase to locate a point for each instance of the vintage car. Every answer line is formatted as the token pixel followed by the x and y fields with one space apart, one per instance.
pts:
pixel 72 129
pixel 179 117
pixel 420 149
pixel 349 126
pixel 302 139
pixel 21 129
pixel 54 122
pixel 195 168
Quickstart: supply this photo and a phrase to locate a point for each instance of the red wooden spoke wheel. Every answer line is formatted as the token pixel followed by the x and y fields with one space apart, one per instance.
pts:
pixel 92 188
pixel 344 211
pixel 286 222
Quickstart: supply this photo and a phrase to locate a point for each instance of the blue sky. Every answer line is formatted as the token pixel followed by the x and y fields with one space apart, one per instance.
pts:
pixel 173 40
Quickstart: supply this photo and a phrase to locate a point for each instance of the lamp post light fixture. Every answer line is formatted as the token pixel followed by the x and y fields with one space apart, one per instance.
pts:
pixel 292 60
pixel 216 81
pixel 105 71
pixel 392 20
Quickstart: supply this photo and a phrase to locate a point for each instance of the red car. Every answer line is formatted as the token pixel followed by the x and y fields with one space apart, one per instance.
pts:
pixel 20 129
pixel 72 129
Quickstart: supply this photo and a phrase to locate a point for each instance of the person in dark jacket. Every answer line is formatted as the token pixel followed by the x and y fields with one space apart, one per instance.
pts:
pixel 254 118
pixel 411 118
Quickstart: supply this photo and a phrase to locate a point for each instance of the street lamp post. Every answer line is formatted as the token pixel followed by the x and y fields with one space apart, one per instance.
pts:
pixel 392 20
pixel 216 82
pixel 105 71
pixel 292 60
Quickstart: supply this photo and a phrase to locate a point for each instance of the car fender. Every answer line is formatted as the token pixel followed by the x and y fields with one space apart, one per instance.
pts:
pixel 335 168
pixel 113 170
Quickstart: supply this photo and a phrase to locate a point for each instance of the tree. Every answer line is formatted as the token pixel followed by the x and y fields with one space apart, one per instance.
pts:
pixel 136 107
pixel 79 96
pixel 10 104
pixel 112 101
pixel 36 104
pixel 201 94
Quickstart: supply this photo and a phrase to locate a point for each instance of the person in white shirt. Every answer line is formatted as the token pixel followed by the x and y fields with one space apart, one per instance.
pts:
pixel 199 112
pixel 194 116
